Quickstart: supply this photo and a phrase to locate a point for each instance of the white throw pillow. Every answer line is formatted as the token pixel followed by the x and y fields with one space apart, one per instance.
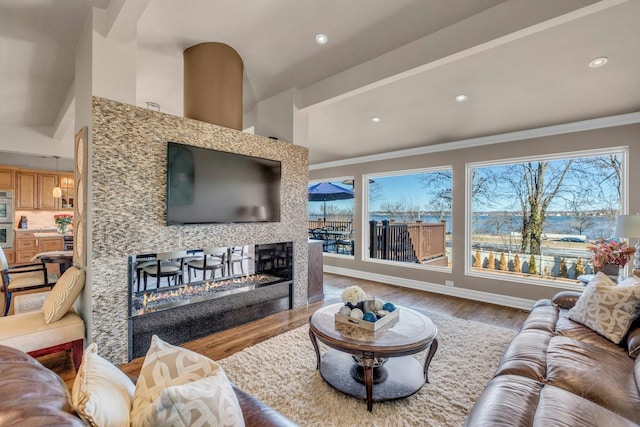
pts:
pixel 63 295
pixel 101 393
pixel 178 387
pixel 608 310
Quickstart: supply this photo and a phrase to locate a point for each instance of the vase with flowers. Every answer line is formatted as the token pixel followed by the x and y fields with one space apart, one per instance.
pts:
pixel 609 256
pixel 63 221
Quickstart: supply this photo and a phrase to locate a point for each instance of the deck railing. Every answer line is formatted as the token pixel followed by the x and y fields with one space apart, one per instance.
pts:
pixel 413 242
pixel 391 241
pixel 428 239
pixel 330 225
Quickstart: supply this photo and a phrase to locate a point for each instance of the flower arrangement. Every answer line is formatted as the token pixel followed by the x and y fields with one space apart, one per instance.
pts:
pixel 610 252
pixel 353 294
pixel 63 221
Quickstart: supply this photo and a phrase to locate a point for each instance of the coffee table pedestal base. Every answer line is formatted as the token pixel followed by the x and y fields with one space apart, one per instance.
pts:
pixel 405 376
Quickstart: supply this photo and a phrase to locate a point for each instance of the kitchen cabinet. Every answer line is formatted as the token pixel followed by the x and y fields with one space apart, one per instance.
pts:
pixel 26 246
pixel 47 244
pixel 7 179
pixel 10 254
pixel 34 190
pixel 46 183
pixel 27 185
pixel 66 183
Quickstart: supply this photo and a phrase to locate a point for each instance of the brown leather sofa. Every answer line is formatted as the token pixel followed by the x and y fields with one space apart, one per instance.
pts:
pixel 35 396
pixel 557 372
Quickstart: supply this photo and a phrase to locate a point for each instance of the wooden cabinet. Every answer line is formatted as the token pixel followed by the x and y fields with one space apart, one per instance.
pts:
pixel 7 179
pixel 47 244
pixel 46 184
pixel 26 247
pixel 68 199
pixel 10 254
pixel 34 190
pixel 27 187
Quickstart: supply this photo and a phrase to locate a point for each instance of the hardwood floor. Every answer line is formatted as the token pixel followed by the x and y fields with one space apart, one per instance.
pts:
pixel 225 343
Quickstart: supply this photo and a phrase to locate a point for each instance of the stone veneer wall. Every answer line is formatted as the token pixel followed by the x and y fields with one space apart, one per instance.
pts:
pixel 127 202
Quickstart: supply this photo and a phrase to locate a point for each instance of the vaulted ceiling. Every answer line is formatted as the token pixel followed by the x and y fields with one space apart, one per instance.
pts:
pixel 523 64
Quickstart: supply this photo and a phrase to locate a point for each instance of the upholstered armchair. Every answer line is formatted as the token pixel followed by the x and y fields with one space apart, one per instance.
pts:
pixel 55 327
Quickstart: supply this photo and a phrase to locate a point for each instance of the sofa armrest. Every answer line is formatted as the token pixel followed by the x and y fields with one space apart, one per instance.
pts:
pixel 566 299
pixel 633 339
pixel 256 413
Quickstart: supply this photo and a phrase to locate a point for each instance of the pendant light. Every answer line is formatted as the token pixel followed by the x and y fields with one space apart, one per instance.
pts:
pixel 57 191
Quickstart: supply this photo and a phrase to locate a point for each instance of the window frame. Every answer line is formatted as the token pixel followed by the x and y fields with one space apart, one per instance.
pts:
pixel 355 233
pixel 623 151
pixel 364 238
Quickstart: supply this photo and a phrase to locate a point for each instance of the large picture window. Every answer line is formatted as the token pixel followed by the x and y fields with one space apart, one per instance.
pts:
pixel 537 218
pixel 409 217
pixel 331 207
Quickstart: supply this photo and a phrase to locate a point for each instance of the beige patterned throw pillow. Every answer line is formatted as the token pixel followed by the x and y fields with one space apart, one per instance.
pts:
pixel 63 295
pixel 178 387
pixel 608 310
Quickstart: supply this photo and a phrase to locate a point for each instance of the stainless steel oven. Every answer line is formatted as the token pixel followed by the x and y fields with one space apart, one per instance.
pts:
pixel 6 206
pixel 6 219
pixel 6 235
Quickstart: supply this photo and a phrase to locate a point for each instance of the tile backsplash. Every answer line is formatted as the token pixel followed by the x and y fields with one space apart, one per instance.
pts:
pixel 38 219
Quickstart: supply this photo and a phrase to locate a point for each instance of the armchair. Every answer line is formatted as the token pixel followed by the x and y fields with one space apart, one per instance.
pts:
pixel 24 277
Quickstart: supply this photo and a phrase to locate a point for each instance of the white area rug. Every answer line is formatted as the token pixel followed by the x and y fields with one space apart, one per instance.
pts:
pixel 282 372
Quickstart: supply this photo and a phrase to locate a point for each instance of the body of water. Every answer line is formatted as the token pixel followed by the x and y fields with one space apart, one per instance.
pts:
pixel 592 228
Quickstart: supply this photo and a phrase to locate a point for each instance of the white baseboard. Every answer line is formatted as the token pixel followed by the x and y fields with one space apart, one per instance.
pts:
pixel 507 301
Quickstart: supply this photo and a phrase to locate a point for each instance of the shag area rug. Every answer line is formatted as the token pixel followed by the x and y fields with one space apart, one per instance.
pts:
pixel 282 373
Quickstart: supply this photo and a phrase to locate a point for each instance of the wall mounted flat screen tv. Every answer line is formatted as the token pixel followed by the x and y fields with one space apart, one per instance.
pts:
pixel 207 186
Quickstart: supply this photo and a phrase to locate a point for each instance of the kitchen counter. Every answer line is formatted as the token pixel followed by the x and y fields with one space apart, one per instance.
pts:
pixel 44 234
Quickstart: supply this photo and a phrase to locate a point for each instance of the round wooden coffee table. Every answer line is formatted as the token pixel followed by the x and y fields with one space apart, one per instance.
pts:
pixel 400 374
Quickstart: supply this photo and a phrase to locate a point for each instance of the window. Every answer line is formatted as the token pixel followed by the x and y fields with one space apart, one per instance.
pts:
pixel 331 207
pixel 409 217
pixel 537 217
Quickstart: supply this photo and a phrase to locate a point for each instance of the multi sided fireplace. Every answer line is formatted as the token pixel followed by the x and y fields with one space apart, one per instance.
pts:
pixel 256 281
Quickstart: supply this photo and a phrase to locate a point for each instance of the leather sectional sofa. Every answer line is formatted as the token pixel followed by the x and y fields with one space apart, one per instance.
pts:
pixel 557 372
pixel 34 396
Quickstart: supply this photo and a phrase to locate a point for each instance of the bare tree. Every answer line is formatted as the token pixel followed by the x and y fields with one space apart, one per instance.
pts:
pixel 535 185
pixel 401 210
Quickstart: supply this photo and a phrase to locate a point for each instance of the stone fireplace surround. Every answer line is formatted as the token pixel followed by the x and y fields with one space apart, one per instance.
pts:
pixel 126 206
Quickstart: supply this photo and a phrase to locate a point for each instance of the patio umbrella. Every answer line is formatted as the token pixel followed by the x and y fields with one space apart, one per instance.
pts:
pixel 324 191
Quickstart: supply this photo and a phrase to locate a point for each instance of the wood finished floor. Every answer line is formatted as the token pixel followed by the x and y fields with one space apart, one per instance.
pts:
pixel 225 343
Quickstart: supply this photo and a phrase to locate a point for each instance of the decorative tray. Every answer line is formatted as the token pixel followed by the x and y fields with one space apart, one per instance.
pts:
pixel 389 319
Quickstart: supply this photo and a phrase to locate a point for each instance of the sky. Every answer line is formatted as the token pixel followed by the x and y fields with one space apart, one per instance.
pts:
pixel 409 187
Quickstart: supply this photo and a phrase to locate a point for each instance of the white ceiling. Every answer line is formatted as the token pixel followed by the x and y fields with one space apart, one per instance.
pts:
pixel 522 63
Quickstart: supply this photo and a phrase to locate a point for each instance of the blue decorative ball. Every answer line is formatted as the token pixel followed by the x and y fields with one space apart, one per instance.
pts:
pixel 369 316
pixel 388 306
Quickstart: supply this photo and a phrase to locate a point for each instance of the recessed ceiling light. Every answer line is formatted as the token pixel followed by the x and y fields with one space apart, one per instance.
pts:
pixel 376 119
pixel 461 98
pixel 321 38
pixel 598 62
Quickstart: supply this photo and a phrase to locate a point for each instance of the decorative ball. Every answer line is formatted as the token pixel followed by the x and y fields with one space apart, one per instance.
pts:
pixel 388 306
pixel 345 311
pixel 351 306
pixel 356 313
pixel 382 313
pixel 379 304
pixel 369 316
